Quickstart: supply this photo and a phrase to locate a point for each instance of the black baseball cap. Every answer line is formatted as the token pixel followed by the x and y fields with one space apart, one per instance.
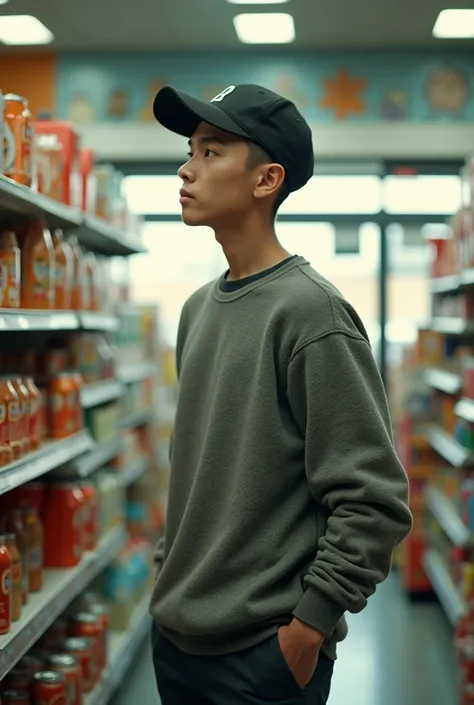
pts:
pixel 253 112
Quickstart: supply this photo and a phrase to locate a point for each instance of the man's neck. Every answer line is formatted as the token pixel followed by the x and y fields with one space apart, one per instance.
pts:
pixel 248 255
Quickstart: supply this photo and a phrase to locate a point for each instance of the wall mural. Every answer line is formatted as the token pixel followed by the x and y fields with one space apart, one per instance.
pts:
pixel 327 87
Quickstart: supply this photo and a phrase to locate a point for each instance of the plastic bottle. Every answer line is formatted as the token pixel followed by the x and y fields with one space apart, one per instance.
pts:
pixel 24 421
pixel 10 270
pixel 35 533
pixel 17 596
pixel 38 267
pixel 5 587
pixel 34 416
pixel 92 288
pixel 78 277
pixel 15 526
pixel 12 427
pixel 64 270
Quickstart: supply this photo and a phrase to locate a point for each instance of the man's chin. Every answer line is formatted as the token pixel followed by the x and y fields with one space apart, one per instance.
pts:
pixel 193 219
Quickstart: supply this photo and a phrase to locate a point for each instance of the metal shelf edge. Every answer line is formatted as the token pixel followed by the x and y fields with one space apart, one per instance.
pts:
pixel 452 603
pixel 448 448
pixel 101 392
pixel 443 380
pixel 445 512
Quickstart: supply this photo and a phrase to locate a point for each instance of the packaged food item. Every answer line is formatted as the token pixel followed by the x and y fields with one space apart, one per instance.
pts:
pixel 101 611
pixel 5 587
pixel 49 688
pixel 104 180
pixel 37 270
pixel 32 494
pixel 11 429
pixel 68 137
pixel 92 287
pixel 68 665
pixel 91 515
pixel 34 413
pixel 10 270
pixel 81 648
pixel 63 413
pixel 35 534
pixel 63 526
pixel 79 295
pixel 18 139
pixel 55 361
pixel 85 624
pixel 24 420
pixel 79 415
pixel 31 663
pixel 89 181
pixel 64 265
pixel 49 166
pixel 2 132
pixel 16 526
pixel 17 594
pixel 6 449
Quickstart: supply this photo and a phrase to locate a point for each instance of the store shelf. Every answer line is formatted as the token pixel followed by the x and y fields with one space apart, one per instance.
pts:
pixel 452 325
pixel 449 449
pixel 443 380
pixel 445 589
pixel 135 372
pixel 16 320
pixel 102 237
pixel 96 321
pixel 101 392
pixel 60 589
pixel 16 199
pixel 445 285
pixel 465 409
pixel 134 471
pixel 100 455
pixel 51 456
pixel 136 419
pixel 467 277
pixel 448 518
pixel 123 646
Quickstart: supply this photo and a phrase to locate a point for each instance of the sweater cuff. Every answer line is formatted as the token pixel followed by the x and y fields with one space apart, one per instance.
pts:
pixel 317 610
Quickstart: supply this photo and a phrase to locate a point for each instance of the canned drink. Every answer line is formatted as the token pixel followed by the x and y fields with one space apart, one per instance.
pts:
pixel 31 664
pixel 68 665
pixel 15 697
pixel 81 648
pixel 49 688
pixel 100 610
pixel 90 626
pixel 18 139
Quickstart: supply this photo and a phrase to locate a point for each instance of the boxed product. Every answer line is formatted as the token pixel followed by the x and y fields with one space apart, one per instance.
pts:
pixel 69 138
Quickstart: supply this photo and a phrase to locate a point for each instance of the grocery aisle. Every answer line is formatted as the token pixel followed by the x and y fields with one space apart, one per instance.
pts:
pixel 397 654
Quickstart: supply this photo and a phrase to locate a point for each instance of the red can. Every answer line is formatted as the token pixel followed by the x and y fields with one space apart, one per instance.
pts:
pixel 31 664
pixel 5 587
pixel 81 648
pixel 89 625
pixel 68 665
pixel 15 697
pixel 49 688
pixel 100 610
pixel 64 526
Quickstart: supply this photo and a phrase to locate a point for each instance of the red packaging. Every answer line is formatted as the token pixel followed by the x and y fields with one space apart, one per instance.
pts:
pixel 85 624
pixel 81 648
pixel 68 665
pixel 69 138
pixel 32 495
pixel 49 688
pixel 5 587
pixel 101 611
pixel 64 526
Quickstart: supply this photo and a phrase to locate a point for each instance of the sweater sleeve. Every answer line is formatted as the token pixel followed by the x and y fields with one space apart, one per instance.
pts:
pixel 339 403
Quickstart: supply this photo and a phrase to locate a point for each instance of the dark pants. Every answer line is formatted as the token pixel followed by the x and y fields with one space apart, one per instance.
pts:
pixel 257 676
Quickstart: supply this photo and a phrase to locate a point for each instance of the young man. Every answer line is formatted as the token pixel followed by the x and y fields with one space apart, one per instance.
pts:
pixel 286 497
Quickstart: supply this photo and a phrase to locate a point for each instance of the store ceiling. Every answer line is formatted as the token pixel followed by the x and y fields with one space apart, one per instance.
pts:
pixel 155 25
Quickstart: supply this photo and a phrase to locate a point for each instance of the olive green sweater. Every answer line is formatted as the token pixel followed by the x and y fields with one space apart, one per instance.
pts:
pixel 286 494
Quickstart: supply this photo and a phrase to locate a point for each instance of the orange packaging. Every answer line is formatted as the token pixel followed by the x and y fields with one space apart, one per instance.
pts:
pixel 91 286
pixel 85 624
pixel 6 450
pixel 35 534
pixel 69 138
pixel 79 276
pixel 63 526
pixel 17 595
pixel 49 166
pixel 18 139
pixel 15 525
pixel 68 665
pixel 62 406
pixel 79 415
pixel 37 276
pixel 24 422
pixel 12 427
pixel 91 533
pixel 89 181
pixel 64 265
pixel 10 270
pixel 5 587
pixel 34 413
pixel 54 362
pixel 2 131
pixel 49 688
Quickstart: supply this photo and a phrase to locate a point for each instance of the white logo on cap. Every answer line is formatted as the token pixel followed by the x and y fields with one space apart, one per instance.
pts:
pixel 219 98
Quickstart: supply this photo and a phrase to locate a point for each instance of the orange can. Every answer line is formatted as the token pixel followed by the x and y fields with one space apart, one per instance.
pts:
pixel 18 139
pixel 63 517
pixel 62 405
pixel 10 270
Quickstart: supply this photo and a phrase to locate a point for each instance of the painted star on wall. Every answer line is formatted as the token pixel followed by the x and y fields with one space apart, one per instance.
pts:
pixel 343 94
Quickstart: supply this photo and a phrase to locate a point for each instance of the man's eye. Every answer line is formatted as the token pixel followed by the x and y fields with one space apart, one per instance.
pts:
pixel 209 153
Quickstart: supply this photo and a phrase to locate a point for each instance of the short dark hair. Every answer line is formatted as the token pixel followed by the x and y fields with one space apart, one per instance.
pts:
pixel 257 156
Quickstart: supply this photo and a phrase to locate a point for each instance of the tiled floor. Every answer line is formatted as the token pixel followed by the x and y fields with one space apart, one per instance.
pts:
pixel 396 654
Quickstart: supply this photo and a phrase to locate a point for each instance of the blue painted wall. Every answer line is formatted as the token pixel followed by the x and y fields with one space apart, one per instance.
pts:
pixel 329 86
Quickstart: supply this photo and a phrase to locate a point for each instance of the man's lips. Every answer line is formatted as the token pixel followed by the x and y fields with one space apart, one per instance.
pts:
pixel 185 196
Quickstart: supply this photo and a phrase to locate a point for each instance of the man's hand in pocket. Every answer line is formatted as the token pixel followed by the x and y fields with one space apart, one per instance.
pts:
pixel 300 645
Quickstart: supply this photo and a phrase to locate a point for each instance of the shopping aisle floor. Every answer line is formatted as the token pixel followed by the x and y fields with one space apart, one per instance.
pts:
pixel 397 654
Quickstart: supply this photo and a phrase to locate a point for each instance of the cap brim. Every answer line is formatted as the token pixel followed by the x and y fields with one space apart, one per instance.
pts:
pixel 181 113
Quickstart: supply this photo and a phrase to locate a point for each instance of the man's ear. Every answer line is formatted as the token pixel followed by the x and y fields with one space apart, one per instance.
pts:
pixel 269 181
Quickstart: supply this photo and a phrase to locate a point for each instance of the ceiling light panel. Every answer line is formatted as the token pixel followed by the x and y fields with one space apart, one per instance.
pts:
pixel 454 24
pixel 23 30
pixel 265 28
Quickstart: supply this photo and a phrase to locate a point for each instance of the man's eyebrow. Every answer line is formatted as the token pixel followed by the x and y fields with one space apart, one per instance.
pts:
pixel 210 139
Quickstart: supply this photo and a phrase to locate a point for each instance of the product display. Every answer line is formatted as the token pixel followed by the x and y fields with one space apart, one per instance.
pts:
pixel 436 440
